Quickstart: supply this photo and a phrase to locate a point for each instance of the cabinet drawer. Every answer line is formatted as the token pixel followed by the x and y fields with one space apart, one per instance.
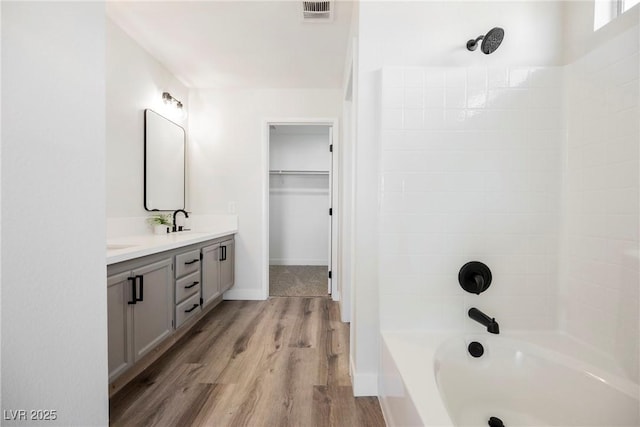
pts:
pixel 187 309
pixel 187 286
pixel 187 262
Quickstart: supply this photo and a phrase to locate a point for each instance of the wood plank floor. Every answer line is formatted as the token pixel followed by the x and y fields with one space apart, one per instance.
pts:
pixel 279 362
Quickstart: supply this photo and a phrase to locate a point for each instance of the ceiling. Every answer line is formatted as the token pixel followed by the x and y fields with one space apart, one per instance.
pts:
pixel 239 44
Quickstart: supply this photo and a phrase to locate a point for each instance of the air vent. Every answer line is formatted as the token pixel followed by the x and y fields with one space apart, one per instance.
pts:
pixel 317 11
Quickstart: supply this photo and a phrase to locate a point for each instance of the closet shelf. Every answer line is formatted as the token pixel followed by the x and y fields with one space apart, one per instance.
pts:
pixel 297 172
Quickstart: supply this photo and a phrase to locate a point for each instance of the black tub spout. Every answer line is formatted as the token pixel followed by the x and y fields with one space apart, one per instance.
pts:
pixel 483 319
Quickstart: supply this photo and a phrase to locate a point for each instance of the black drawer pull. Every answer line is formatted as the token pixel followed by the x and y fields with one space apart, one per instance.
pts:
pixel 192 285
pixel 134 298
pixel 193 261
pixel 141 298
pixel 192 308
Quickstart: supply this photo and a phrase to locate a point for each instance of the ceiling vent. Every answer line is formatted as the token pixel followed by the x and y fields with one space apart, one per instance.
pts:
pixel 317 11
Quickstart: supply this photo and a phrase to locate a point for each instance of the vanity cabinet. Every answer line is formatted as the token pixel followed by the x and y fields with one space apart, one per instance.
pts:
pixel 187 286
pixel 217 269
pixel 227 249
pixel 155 299
pixel 118 321
pixel 210 273
pixel 140 315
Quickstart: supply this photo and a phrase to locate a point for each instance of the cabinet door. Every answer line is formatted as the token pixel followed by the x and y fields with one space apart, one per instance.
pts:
pixel 210 273
pixel 227 264
pixel 153 311
pixel 119 322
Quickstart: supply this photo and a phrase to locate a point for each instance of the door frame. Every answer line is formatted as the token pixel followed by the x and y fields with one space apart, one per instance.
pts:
pixel 335 177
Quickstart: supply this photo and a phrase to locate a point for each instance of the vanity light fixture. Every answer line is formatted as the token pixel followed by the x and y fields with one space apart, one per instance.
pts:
pixel 170 100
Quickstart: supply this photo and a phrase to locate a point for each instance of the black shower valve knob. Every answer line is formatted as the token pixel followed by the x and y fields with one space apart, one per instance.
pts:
pixel 474 277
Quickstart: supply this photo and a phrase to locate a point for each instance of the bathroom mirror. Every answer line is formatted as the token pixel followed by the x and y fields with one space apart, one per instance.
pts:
pixel 164 163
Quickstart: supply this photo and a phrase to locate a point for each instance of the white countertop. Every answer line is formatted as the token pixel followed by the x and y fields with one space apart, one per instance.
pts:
pixel 129 247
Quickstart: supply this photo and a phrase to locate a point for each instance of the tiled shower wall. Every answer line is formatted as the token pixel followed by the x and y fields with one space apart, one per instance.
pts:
pixel 471 162
pixel 600 270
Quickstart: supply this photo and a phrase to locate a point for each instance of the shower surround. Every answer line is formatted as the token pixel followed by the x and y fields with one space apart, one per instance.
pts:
pixel 531 170
pixel 600 279
pixel 470 169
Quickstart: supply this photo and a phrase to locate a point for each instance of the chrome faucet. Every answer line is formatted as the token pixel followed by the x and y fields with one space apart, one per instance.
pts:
pixel 483 319
pixel 175 227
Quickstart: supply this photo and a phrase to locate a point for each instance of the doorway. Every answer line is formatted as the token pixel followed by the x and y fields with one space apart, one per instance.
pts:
pixel 300 209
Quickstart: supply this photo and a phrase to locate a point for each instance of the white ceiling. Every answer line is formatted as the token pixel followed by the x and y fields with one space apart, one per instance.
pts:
pixel 213 44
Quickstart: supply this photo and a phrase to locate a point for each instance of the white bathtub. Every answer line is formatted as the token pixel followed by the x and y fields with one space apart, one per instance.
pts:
pixel 537 379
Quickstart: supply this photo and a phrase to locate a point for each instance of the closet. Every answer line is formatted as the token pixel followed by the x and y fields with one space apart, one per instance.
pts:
pixel 299 203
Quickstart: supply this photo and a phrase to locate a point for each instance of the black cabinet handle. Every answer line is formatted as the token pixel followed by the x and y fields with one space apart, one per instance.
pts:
pixel 192 308
pixel 192 285
pixel 141 288
pixel 223 253
pixel 133 290
pixel 193 261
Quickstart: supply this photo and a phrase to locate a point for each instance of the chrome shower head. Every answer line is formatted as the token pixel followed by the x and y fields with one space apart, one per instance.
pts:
pixel 490 42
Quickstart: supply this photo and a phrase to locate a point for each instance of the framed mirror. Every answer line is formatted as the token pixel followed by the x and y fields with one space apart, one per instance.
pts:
pixel 164 163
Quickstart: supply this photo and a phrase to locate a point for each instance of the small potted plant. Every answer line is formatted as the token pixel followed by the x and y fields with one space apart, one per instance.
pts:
pixel 160 223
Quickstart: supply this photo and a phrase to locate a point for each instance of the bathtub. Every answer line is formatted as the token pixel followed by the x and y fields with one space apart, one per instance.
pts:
pixel 532 379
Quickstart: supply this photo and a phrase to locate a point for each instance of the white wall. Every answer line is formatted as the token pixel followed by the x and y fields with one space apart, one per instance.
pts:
pixel 228 163
pixel 600 260
pixel 135 81
pixel 413 34
pixel 54 314
pixel 298 204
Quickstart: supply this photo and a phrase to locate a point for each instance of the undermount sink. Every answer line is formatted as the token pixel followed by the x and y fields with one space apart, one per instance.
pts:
pixel 112 247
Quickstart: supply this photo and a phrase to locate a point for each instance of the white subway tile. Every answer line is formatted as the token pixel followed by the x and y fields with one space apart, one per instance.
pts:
pixel 414 98
pixel 413 77
pixel 393 139
pixel 392 118
pixel 622 227
pixel 455 120
pixel 477 78
pixel 393 97
pixel 476 97
pixel 433 119
pixel 518 77
pixel 434 77
pixel 455 97
pixel 456 77
pixel 497 77
pixel 393 77
pixel 434 97
pixel 413 119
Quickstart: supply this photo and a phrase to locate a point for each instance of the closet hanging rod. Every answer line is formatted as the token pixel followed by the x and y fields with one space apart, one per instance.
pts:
pixel 297 172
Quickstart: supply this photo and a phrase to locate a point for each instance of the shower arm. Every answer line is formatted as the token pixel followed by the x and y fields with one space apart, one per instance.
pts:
pixel 473 44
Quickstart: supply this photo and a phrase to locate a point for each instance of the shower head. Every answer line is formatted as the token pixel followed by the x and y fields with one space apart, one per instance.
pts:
pixel 490 42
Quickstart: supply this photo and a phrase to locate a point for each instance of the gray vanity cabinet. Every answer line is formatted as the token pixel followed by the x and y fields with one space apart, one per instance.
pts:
pixel 217 269
pixel 210 273
pixel 188 286
pixel 153 312
pixel 155 299
pixel 140 312
pixel 227 260
pixel 119 319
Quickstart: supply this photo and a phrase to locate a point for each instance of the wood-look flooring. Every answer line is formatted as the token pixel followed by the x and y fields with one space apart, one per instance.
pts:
pixel 279 362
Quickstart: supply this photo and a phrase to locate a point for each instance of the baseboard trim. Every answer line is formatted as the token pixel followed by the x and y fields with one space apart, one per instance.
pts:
pixel 244 294
pixel 363 384
pixel 386 412
pixel 317 262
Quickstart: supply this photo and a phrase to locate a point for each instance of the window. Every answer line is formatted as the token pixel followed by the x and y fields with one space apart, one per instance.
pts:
pixel 606 11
